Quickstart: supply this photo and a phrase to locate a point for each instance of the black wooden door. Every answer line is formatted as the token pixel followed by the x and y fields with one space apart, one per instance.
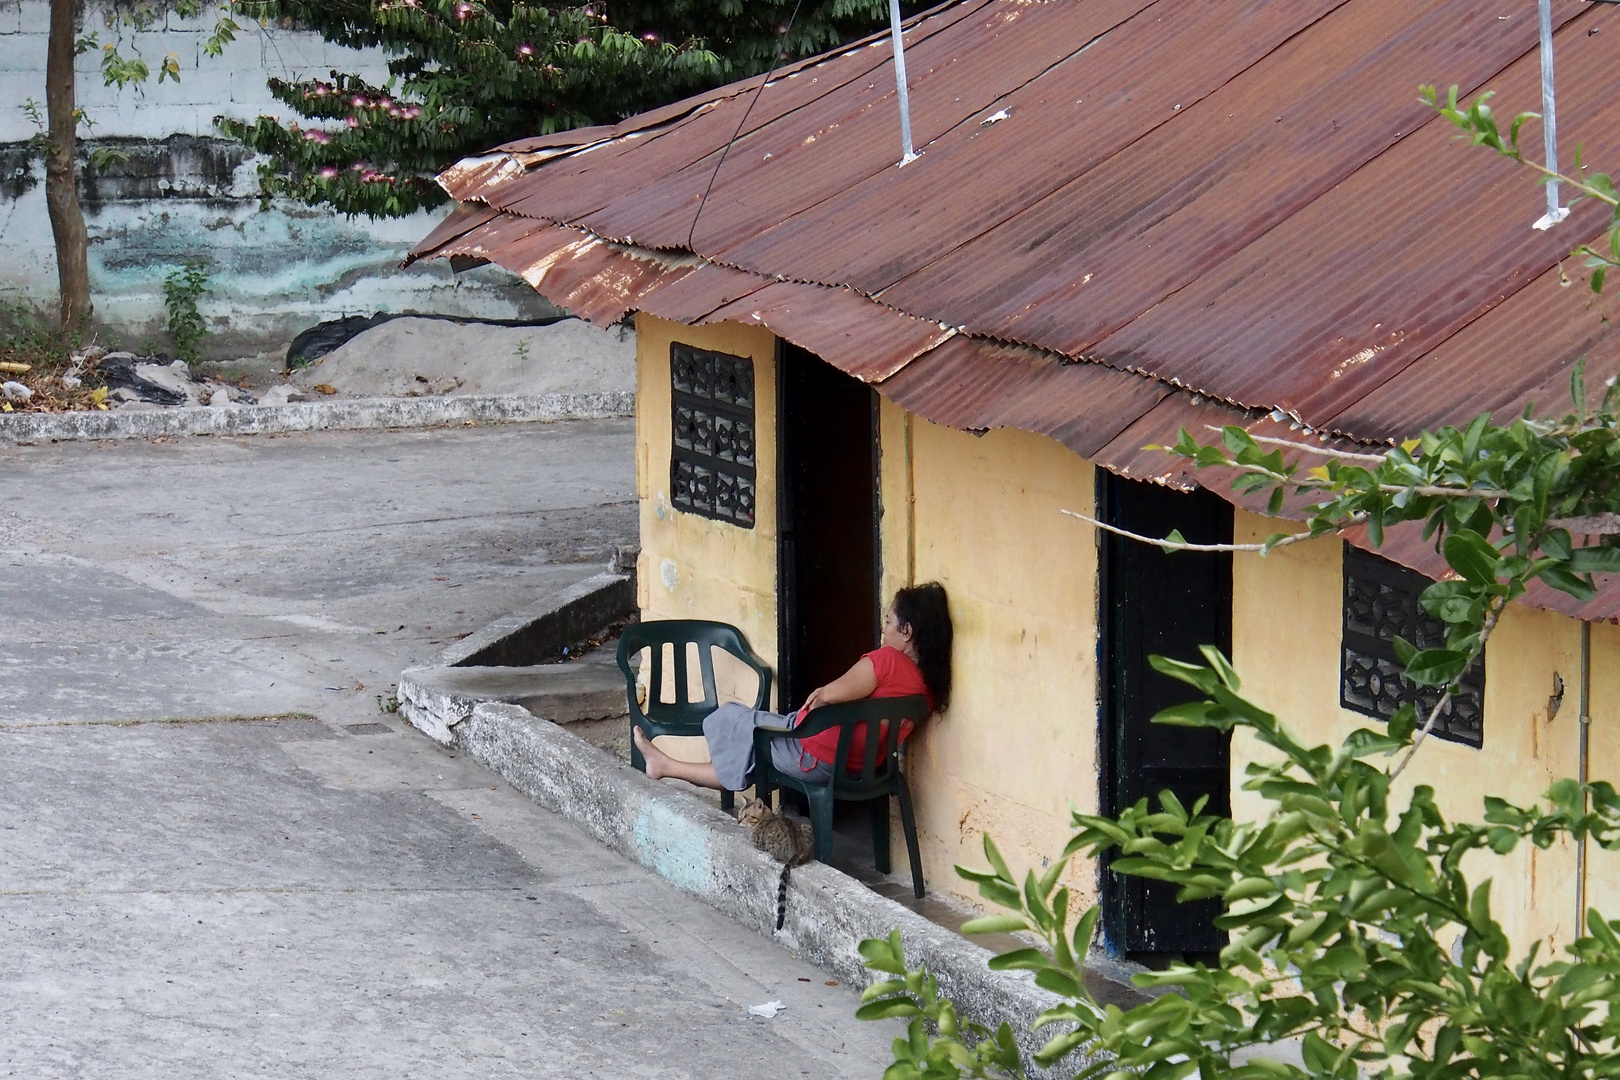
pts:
pixel 1155 602
pixel 827 505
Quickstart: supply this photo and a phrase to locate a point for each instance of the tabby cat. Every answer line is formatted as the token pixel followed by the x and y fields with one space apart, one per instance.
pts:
pixel 788 841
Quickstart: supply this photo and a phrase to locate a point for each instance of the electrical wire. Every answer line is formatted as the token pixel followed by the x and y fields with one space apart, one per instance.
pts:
pixel 780 56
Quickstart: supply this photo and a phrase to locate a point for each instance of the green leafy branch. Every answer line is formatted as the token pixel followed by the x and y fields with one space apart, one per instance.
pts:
pixel 468 75
pixel 1353 932
pixel 121 68
pixel 1479 127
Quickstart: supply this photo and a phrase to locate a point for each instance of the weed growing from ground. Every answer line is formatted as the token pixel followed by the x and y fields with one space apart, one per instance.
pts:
pixel 182 288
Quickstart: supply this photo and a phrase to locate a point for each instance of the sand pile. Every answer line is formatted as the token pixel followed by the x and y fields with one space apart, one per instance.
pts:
pixel 408 357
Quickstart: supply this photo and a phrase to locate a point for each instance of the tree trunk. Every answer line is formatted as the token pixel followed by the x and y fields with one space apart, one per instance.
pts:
pixel 61 170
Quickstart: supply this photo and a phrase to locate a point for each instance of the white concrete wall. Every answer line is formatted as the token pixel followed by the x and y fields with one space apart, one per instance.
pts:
pixel 276 271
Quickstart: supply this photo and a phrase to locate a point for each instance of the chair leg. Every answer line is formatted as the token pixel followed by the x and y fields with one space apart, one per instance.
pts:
pixel 637 760
pixel 908 824
pixel 880 835
pixel 821 820
pixel 728 799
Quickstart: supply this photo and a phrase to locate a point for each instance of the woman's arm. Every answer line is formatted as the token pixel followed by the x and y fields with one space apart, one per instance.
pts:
pixel 853 685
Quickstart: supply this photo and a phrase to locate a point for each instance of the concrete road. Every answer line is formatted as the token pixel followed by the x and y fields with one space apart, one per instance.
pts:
pixel 224 577
pixel 334 895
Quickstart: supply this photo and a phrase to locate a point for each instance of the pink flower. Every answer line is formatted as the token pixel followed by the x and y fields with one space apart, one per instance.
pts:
pixel 525 50
pixel 328 173
pixel 358 102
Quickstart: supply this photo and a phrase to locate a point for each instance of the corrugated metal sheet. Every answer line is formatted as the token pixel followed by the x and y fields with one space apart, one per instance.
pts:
pixel 976 385
pixel 1220 208
pixel 691 298
pixel 1404 263
pixel 826 152
pixel 1064 117
pixel 460 221
pixel 838 326
pixel 594 279
pixel 1128 232
pixel 602 283
pixel 1563 320
pixel 678 157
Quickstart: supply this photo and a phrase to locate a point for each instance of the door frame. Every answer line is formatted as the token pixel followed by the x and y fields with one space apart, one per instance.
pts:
pixel 789 693
pixel 1110 729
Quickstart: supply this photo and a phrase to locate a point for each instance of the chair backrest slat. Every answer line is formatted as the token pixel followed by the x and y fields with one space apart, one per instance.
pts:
pixel 711 696
pixel 875 729
pixel 679 635
pixel 883 718
pixel 683 680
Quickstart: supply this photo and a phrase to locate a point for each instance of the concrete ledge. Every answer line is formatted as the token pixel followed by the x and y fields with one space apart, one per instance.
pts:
pixel 341 415
pixel 441 697
pixel 705 853
pixel 536 632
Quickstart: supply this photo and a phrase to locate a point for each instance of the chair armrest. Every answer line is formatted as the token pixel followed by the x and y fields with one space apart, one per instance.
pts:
pixel 850 713
pixel 762 671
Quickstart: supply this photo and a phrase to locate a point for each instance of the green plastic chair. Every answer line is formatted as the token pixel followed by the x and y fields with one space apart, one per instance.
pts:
pixel 684 715
pixel 878 778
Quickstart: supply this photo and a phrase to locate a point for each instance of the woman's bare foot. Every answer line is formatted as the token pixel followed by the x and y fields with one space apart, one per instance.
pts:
pixel 657 760
pixel 661 765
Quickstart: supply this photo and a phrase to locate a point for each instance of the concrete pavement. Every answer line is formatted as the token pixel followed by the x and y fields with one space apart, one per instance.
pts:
pixel 244 576
pixel 335 895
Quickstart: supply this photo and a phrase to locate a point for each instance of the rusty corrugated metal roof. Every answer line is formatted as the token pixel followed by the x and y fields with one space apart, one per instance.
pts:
pixel 1128 215
pixel 974 385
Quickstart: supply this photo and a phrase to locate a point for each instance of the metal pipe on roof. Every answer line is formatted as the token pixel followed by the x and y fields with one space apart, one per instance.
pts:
pixel 1549 119
pixel 907 154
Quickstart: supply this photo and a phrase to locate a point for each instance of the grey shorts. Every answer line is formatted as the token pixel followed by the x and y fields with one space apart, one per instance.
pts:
pixel 729 731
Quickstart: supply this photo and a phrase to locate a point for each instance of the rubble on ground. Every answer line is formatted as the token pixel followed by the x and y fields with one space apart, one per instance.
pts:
pixel 381 356
pixel 97 378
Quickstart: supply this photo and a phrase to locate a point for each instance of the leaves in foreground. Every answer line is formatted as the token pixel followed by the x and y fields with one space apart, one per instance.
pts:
pixel 1353 931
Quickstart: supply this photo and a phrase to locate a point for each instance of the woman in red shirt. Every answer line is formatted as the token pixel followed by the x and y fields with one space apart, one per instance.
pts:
pixel 913 658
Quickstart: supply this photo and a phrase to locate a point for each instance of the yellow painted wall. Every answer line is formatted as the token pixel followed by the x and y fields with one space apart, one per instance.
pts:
pixel 1018 745
pixel 694 567
pixel 1019 742
pixel 1286 624
pixel 1603 867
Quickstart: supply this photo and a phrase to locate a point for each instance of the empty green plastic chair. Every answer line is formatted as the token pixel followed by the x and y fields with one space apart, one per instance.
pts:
pixel 684 715
pixel 878 777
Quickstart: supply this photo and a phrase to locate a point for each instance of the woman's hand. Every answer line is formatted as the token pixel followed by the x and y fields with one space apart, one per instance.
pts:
pixel 817 698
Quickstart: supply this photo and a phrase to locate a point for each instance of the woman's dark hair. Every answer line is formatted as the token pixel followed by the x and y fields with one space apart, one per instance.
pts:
pixel 925 609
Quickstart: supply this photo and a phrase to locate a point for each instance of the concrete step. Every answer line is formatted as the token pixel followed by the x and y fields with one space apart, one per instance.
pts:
pixel 588 692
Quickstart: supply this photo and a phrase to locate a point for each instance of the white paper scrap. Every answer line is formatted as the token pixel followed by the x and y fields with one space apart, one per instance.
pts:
pixel 767 1010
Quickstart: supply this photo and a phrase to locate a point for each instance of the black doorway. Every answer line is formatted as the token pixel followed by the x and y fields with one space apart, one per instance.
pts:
pixel 828 513
pixel 1154 602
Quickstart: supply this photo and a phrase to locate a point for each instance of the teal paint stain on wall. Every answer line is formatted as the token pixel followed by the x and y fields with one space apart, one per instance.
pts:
pixel 675 848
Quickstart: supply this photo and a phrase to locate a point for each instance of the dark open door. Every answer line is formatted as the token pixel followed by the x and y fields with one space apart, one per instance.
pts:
pixel 827 500
pixel 1153 602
